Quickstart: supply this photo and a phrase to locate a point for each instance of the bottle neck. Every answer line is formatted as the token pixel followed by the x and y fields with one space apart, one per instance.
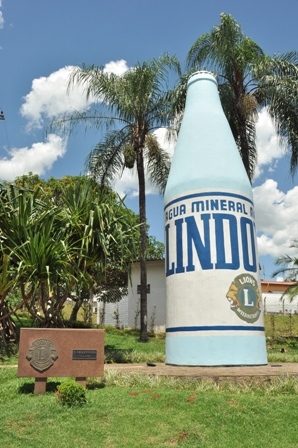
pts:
pixel 202 96
pixel 206 155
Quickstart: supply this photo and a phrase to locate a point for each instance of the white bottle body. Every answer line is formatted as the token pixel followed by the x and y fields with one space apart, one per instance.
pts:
pixel 214 309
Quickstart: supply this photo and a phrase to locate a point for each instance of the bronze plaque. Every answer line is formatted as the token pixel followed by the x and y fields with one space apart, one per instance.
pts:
pixel 84 354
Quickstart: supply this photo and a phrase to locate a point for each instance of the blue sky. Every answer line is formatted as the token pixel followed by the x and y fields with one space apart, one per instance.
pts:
pixel 41 40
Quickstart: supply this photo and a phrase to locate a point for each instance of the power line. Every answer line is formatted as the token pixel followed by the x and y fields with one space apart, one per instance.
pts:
pixel 2 118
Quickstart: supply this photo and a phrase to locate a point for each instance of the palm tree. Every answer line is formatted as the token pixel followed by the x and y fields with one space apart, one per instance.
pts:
pixel 130 106
pixel 248 79
pixel 289 268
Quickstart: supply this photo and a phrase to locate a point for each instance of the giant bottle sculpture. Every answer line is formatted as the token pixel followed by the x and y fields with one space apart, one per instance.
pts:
pixel 214 309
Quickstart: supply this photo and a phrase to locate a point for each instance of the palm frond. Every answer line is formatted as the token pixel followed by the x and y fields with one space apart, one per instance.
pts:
pixel 288 264
pixel 106 161
pixel 157 162
pixel 281 97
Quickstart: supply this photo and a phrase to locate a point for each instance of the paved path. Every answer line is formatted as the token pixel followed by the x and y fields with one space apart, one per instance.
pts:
pixel 218 374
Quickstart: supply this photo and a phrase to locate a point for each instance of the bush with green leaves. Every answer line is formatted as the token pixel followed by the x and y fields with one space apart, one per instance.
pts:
pixel 71 393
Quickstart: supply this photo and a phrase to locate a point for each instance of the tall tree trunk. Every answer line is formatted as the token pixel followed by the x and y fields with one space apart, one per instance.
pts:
pixel 245 152
pixel 75 309
pixel 143 245
pixel 82 293
pixel 244 143
pixel 8 329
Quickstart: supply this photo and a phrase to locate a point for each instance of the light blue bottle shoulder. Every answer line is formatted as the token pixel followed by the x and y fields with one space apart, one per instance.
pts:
pixel 206 155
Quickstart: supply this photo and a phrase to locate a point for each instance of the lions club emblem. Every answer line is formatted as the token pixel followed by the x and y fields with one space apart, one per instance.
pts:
pixel 42 354
pixel 245 298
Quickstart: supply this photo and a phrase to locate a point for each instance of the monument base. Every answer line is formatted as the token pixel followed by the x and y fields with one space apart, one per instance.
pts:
pixel 216 350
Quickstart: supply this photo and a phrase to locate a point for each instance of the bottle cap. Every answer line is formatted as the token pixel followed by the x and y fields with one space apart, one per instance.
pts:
pixel 202 74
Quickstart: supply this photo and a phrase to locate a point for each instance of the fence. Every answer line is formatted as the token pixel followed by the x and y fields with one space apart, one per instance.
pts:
pixel 121 308
pixel 280 315
pixel 276 304
pixel 281 326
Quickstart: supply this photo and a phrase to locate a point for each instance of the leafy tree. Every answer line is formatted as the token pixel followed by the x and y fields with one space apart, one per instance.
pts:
pixel 52 249
pixel 106 230
pixel 38 252
pixel 155 249
pixel 30 181
pixel 130 107
pixel 8 329
pixel 247 79
pixel 289 269
pixel 49 190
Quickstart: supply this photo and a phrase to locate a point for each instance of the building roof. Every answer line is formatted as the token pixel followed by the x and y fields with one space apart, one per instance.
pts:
pixel 273 285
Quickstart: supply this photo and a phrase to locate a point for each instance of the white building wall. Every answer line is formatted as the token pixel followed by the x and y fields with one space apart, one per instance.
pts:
pixel 156 299
pixel 115 314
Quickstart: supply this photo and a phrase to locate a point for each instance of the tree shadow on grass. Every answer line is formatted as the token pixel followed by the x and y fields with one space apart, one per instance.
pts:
pixel 28 388
pixel 117 355
pixel 52 386
pixel 94 384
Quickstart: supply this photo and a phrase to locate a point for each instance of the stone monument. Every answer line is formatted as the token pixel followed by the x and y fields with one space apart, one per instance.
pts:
pixel 60 352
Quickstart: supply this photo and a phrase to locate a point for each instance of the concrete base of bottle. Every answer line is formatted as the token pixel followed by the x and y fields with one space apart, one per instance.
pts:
pixel 223 350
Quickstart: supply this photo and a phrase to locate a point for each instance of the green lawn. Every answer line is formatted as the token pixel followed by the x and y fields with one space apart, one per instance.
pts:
pixel 125 410
pixel 149 412
pixel 123 346
pixel 281 326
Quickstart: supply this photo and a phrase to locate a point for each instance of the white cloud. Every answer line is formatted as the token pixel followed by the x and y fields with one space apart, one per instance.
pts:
pixel 127 184
pixel 49 96
pixel 117 67
pixel 276 218
pixel 276 211
pixel 1 16
pixel 38 159
pixel 269 146
pixel 166 142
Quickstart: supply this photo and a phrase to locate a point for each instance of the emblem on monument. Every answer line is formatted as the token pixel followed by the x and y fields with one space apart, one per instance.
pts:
pixel 42 354
pixel 245 298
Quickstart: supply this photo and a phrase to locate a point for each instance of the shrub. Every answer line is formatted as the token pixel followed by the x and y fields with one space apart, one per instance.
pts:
pixel 71 393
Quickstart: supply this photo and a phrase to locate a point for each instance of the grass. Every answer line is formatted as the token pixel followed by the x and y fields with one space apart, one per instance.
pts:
pixel 123 346
pixel 139 411
pixel 131 411
pixel 281 326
